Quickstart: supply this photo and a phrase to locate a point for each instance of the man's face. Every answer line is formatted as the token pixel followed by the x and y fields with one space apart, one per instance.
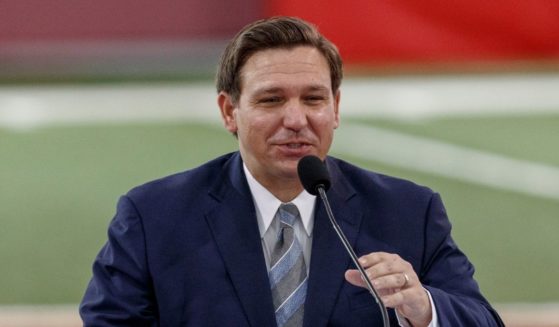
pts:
pixel 286 111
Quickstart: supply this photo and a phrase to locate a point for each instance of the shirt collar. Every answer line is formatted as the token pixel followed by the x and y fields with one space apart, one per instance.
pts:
pixel 267 205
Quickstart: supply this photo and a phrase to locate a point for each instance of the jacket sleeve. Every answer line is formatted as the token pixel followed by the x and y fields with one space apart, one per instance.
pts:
pixel 120 292
pixel 448 275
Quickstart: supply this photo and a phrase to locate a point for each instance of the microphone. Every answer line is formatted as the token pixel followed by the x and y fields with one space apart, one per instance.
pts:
pixel 316 180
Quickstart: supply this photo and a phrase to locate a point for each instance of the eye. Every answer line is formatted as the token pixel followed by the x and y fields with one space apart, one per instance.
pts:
pixel 315 99
pixel 271 100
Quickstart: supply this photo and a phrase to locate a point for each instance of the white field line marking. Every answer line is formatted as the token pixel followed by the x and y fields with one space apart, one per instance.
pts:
pixel 27 107
pixel 458 95
pixel 514 314
pixel 443 159
pixel 40 316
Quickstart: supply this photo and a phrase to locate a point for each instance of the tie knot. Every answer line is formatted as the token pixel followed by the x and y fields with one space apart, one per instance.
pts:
pixel 288 213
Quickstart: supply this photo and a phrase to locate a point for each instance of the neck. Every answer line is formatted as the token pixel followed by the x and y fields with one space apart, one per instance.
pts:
pixel 286 191
pixel 284 187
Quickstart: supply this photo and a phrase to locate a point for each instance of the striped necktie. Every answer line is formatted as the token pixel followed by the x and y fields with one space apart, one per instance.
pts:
pixel 288 272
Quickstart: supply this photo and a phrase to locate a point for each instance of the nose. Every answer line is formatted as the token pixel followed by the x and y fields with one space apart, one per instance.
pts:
pixel 295 116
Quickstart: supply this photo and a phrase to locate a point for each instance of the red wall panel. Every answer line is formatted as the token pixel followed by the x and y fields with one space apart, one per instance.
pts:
pixel 433 31
pixel 39 36
pixel 28 20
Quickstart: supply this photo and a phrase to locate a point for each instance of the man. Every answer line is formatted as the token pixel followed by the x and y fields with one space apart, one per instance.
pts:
pixel 237 242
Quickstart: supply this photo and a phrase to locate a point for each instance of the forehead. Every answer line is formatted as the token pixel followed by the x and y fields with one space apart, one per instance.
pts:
pixel 289 67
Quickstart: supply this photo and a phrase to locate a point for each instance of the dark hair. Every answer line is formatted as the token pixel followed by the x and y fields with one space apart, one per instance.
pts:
pixel 275 32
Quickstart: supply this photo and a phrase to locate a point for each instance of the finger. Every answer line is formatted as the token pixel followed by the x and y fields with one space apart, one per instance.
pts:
pixel 353 276
pixel 413 299
pixel 382 293
pixel 394 281
pixel 388 268
pixel 402 269
pixel 411 303
pixel 374 258
pixel 398 299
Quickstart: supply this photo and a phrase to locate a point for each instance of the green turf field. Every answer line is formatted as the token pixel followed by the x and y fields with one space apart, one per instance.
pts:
pixel 59 187
pixel 511 238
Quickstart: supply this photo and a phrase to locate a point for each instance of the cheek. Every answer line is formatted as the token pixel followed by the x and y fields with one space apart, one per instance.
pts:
pixel 260 125
pixel 325 121
pixel 254 131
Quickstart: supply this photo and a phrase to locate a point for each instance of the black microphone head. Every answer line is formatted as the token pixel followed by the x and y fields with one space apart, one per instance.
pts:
pixel 313 174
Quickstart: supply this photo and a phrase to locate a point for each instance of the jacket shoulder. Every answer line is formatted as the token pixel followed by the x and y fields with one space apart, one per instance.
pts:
pixel 369 182
pixel 188 183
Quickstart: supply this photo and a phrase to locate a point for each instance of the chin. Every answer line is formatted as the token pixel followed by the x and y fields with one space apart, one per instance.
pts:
pixel 289 169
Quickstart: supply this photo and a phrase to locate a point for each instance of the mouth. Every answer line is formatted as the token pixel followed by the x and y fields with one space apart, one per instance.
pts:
pixel 295 149
pixel 295 145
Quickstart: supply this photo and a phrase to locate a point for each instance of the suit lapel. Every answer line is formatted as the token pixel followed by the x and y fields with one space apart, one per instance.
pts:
pixel 235 230
pixel 329 260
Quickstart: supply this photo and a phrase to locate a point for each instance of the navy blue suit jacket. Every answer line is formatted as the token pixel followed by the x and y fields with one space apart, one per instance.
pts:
pixel 185 250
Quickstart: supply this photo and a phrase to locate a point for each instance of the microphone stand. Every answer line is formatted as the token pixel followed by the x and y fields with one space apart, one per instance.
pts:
pixel 345 242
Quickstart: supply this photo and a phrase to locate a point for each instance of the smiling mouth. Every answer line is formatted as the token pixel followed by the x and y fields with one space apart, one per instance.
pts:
pixel 295 145
pixel 295 149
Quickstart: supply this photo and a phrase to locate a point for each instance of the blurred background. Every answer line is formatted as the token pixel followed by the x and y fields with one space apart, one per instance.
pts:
pixel 98 97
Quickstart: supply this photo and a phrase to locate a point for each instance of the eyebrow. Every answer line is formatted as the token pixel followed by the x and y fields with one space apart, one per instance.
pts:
pixel 318 88
pixel 266 90
pixel 273 89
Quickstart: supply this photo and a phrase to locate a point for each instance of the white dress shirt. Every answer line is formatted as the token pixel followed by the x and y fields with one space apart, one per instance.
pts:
pixel 266 205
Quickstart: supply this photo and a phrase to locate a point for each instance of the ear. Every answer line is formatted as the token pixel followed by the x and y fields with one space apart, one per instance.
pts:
pixel 337 109
pixel 225 103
